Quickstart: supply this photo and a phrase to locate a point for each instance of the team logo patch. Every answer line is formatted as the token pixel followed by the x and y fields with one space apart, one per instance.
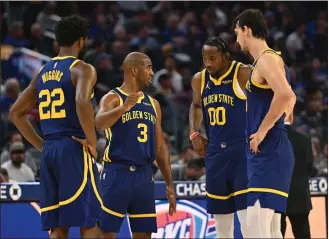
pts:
pixel 189 221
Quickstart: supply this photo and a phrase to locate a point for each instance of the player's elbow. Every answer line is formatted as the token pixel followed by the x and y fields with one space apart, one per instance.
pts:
pixel 287 97
pixel 81 100
pixel 98 124
pixel 13 115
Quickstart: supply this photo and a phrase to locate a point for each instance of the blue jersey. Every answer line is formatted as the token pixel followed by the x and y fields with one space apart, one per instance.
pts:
pixel 56 99
pixel 131 140
pixel 259 99
pixel 223 107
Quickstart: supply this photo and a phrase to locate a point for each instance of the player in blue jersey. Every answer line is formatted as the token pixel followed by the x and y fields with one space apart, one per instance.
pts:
pixel 132 123
pixel 219 100
pixel 68 175
pixel 270 155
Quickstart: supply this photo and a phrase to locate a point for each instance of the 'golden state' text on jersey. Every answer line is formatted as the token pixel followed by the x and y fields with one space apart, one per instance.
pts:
pixel 56 99
pixel 131 140
pixel 223 104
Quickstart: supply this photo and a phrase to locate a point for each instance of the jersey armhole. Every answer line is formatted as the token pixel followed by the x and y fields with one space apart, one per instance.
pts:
pixel 263 86
pixel 236 87
pixel 153 105
pixel 74 63
pixel 203 80
pixel 120 98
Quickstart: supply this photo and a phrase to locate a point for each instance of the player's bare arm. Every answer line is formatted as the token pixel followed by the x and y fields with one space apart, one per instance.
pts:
pixel 163 160
pixel 195 117
pixel 243 76
pixel 110 109
pixel 86 78
pixel 26 100
pixel 271 68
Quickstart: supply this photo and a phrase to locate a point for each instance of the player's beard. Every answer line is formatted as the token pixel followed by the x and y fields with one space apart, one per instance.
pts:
pixel 82 51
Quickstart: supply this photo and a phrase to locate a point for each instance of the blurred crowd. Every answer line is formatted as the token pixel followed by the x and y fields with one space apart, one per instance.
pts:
pixel 172 34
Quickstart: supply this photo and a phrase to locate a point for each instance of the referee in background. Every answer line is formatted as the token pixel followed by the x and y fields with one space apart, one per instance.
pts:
pixel 299 200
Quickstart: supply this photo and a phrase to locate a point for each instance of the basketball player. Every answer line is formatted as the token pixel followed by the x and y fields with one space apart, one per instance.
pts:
pixel 269 151
pixel 220 101
pixel 68 175
pixel 132 123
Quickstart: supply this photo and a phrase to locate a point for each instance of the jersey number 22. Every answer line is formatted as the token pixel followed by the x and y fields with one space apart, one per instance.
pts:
pixel 53 113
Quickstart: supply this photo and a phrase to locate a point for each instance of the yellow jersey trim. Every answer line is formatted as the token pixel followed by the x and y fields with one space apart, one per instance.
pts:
pixel 236 83
pixel 120 98
pixel 62 57
pixel 74 63
pixel 126 94
pixel 97 193
pixel 228 196
pixel 268 190
pixel 203 80
pixel 77 194
pixel 142 215
pixel 45 209
pixel 84 181
pixel 265 86
pixel 108 134
pixel 41 68
pixel 153 105
pixel 264 190
pixel 219 80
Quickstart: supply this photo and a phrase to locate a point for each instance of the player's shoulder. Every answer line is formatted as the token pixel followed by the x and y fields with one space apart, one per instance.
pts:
pixel 244 68
pixel 197 77
pixel 110 97
pixel 152 99
pixel 82 66
pixel 270 59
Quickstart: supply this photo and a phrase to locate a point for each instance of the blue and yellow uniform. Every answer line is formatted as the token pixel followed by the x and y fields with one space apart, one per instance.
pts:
pixel 127 180
pixel 68 173
pixel 270 170
pixel 223 106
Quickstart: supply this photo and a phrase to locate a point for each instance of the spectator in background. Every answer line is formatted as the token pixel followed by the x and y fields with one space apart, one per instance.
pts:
pixel 321 164
pixel 5 155
pixel 295 42
pixel 165 97
pixel 170 69
pixel 311 117
pixel 97 48
pixel 172 33
pixel 144 40
pixel 17 169
pixel 37 39
pixel 16 37
pixel 12 90
pixel 299 199
pixel 101 30
pixel 192 171
pixel 116 18
pixel 188 154
pixel 5 176
pixel 47 19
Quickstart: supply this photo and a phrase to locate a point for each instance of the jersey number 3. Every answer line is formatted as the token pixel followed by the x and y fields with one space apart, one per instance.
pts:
pixel 143 136
pixel 217 116
pixel 53 113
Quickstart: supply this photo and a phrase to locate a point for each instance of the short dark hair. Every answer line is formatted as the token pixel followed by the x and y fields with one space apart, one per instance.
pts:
pixel 254 19
pixel 219 43
pixel 71 29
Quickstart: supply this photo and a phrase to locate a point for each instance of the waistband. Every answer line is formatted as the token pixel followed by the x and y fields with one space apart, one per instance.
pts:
pixel 126 167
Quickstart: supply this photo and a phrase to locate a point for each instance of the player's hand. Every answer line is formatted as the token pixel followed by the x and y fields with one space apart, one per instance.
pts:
pixel 199 144
pixel 256 139
pixel 131 100
pixel 172 200
pixel 85 143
